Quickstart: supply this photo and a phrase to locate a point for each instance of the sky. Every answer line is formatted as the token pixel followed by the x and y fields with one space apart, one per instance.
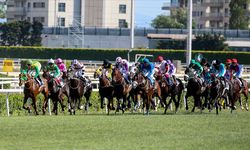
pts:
pixel 147 10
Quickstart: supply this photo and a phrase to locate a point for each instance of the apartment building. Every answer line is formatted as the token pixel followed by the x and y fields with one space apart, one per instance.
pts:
pixel 206 13
pixel 211 13
pixel 64 13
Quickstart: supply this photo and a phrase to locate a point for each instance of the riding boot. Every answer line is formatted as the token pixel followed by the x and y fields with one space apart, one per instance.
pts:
pixel 242 84
pixel 169 81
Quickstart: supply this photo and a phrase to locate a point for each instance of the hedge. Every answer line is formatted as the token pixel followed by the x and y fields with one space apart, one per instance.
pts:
pixel 111 54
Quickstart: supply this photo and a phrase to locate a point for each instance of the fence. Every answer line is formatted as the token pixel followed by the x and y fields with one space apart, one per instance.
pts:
pixel 145 31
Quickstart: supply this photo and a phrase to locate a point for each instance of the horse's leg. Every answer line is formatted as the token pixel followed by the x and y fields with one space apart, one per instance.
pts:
pixel 45 103
pixel 24 102
pixel 86 107
pixel 195 103
pixel 60 98
pixel 178 100
pixel 34 105
pixel 56 107
pixel 241 105
pixel 102 98
pixel 216 105
pixel 186 101
pixel 170 101
pixel 246 99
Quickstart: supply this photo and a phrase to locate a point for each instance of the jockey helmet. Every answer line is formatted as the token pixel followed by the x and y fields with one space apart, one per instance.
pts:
pixel 228 61
pixel 216 62
pixel 145 60
pixel 106 61
pixel 124 61
pixel 59 61
pixel 118 60
pixel 159 59
pixel 203 60
pixel 169 61
pixel 234 60
pixel 51 61
pixel 74 62
pixel 29 62
pixel 192 61
pixel 141 60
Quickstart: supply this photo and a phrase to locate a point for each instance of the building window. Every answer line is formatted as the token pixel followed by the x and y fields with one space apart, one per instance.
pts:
pixel 123 23
pixel 28 19
pixel 61 7
pixel 122 9
pixel 28 4
pixel 39 19
pixel 39 5
pixel 61 22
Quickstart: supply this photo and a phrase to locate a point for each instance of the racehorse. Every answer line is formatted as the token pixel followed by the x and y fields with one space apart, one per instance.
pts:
pixel 31 90
pixel 194 88
pixel 237 91
pixel 219 90
pixel 145 89
pixel 121 88
pixel 244 91
pixel 170 90
pixel 55 93
pixel 106 90
pixel 76 91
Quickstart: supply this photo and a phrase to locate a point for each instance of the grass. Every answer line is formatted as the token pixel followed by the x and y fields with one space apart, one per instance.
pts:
pixel 129 131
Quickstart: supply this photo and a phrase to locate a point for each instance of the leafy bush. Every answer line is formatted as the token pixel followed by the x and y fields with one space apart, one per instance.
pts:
pixel 111 54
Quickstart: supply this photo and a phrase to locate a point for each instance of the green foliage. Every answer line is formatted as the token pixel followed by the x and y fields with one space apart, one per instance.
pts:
pixel 178 19
pixel 2 13
pixel 171 44
pixel 22 33
pixel 238 14
pixel 36 39
pixel 214 42
pixel 111 54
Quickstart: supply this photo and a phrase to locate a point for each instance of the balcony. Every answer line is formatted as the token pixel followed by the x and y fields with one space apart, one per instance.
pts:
pixel 213 3
pixel 214 16
pixel 15 11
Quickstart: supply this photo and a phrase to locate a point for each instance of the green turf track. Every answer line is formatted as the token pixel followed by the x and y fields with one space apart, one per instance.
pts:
pixel 129 131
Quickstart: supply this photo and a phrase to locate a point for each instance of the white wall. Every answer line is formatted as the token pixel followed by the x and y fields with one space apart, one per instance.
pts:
pixel 95 41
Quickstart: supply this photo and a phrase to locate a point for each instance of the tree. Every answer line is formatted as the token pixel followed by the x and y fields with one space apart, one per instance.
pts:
pixel 24 36
pixel 214 42
pixel 239 18
pixel 178 19
pixel 21 33
pixel 10 33
pixel 36 39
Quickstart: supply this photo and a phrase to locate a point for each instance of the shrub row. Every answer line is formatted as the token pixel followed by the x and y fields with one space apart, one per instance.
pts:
pixel 100 54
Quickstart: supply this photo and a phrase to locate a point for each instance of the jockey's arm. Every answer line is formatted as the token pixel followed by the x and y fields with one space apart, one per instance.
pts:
pixel 37 71
pixel 57 72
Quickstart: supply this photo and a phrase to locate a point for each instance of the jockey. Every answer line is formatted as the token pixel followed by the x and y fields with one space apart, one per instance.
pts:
pixel 118 63
pixel 54 71
pixel 219 70
pixel 79 70
pixel 33 66
pixel 206 70
pixel 147 69
pixel 108 68
pixel 196 66
pixel 170 71
pixel 125 70
pixel 161 63
pixel 237 70
pixel 228 74
pixel 61 65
